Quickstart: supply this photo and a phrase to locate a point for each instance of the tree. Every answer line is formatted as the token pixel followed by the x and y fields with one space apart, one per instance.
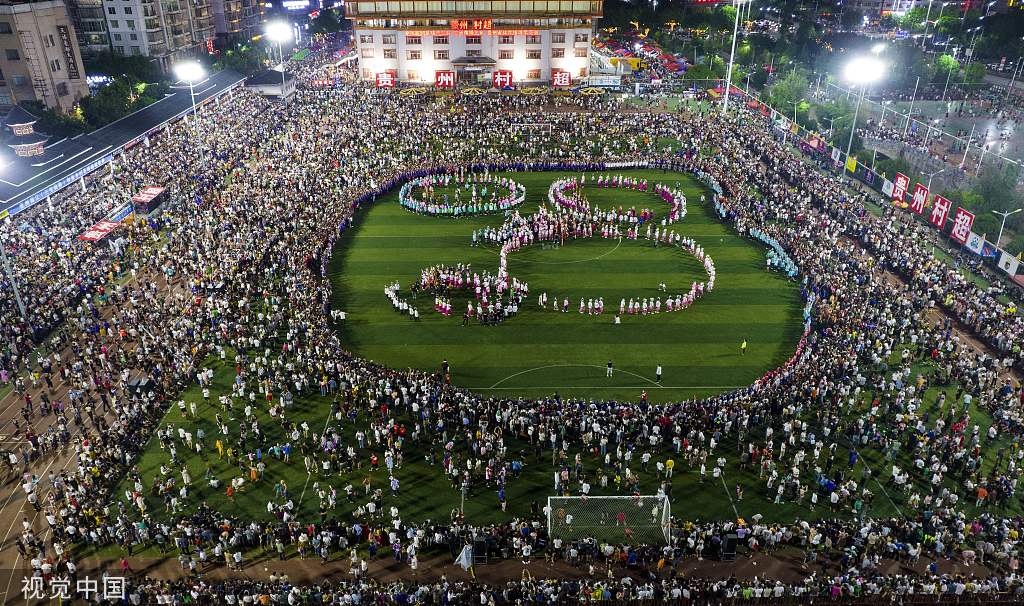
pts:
pixel 944 66
pixel 246 59
pixel 55 123
pixel 118 99
pixel 788 90
pixel 974 73
pixel 134 67
pixel 327 22
pixel 852 18
pixel 913 20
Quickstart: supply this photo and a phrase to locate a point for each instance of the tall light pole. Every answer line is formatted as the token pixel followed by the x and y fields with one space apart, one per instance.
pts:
pixel 191 72
pixel 732 57
pixel 1003 224
pixel 861 71
pixel 948 76
pixel 14 284
pixel 924 36
pixel 280 32
pixel 1016 68
pixel 910 112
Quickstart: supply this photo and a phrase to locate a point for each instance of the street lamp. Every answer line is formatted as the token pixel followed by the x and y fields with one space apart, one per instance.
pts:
pixel 279 32
pixel 938 172
pixel 191 72
pixel 863 71
pixel 1001 226
pixel 732 56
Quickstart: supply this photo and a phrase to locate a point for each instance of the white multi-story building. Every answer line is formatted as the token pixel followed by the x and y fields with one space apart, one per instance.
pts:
pixel 165 30
pixel 422 41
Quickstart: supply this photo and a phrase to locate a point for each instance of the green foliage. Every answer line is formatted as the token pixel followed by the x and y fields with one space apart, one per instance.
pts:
pixel 1016 246
pixel 728 14
pixel 947 24
pixel 245 59
pixel 890 166
pixel 974 73
pixel 55 123
pixel 913 20
pixel 788 90
pixel 118 99
pixel 852 18
pixel 327 22
pixel 134 67
pixel 943 65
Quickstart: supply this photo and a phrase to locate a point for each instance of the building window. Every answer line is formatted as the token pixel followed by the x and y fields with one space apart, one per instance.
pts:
pixel 389 39
pixel 557 53
pixel 581 52
pixel 19 80
pixel 441 55
pixel 533 74
pixel 136 50
pixel 5 28
pixel 412 75
pixel 54 65
pixel 557 38
pixel 415 55
pixel 413 40
pixel 114 24
pixel 48 41
pixel 131 23
pixel 582 73
pixel 506 39
pixel 127 10
pixel 5 99
pixel 472 39
pixel 507 53
pixel 12 54
pixel 390 53
pixel 62 89
pixel 533 54
pixel 367 74
pixel 534 39
pixel 117 37
pixel 366 39
pixel 474 52
pixel 133 37
pixel 582 37
pixel 111 10
pixel 366 53
pixel 440 40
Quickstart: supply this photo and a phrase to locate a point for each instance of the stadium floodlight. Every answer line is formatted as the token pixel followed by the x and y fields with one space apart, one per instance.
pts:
pixel 732 55
pixel 279 32
pixel 864 71
pixel 878 48
pixel 191 72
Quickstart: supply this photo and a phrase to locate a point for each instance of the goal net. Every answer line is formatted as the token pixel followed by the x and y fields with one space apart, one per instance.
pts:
pixel 619 519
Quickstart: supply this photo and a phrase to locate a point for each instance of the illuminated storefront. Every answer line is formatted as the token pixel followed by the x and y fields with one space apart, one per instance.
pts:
pixel 491 42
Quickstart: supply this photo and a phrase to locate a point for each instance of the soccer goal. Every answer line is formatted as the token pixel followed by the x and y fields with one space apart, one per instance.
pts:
pixel 631 519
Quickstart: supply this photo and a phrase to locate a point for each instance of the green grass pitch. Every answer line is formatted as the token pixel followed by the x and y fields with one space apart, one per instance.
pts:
pixel 697 347
pixel 540 352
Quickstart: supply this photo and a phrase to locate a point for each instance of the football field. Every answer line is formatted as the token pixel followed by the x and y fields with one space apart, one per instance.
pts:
pixel 541 352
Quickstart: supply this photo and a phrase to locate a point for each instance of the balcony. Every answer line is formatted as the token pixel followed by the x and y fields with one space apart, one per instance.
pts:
pixel 472 8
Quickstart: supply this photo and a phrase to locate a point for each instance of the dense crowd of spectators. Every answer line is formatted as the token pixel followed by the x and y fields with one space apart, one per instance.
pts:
pixel 236 263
